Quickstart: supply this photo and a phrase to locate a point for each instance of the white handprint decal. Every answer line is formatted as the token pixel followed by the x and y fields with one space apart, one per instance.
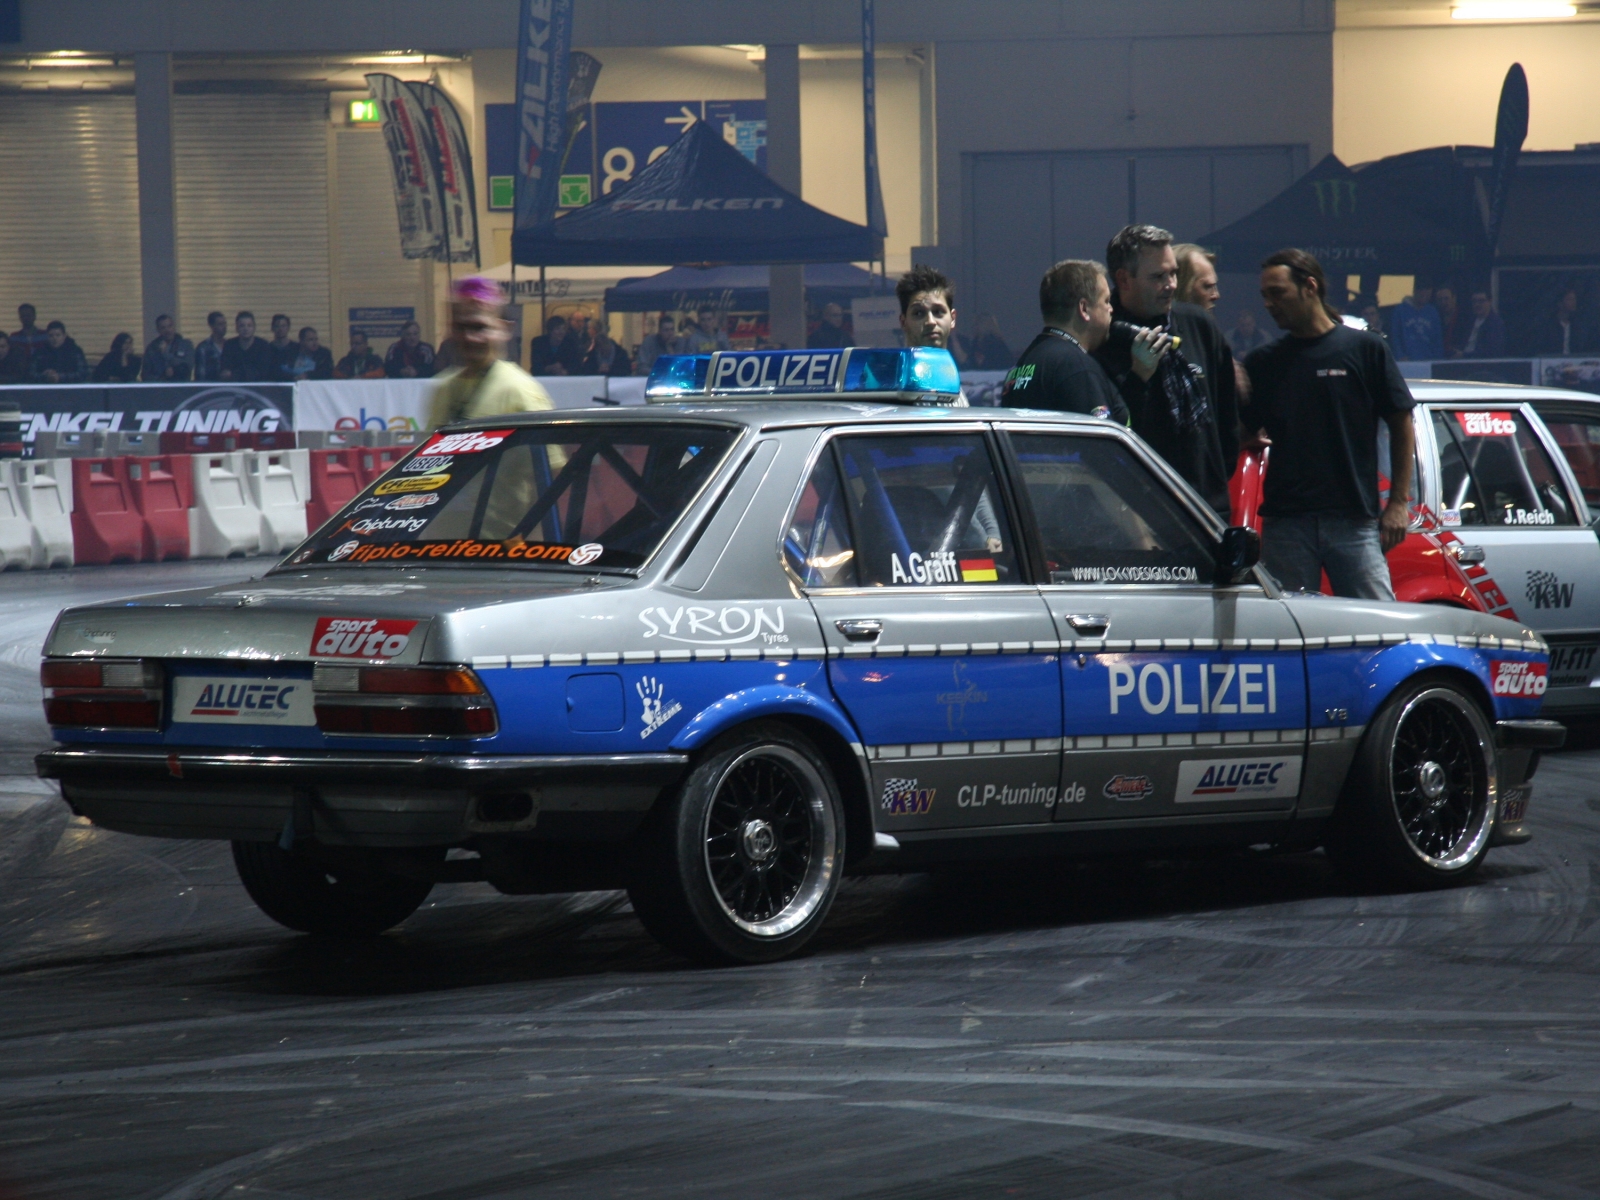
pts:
pixel 655 711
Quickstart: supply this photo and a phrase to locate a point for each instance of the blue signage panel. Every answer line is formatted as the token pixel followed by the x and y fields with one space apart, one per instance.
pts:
pixel 381 322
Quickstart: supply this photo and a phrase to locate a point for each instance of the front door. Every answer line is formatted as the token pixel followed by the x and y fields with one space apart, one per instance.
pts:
pixel 1500 489
pixel 1180 697
pixel 943 655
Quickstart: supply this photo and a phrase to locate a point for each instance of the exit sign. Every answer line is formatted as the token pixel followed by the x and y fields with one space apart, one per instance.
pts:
pixel 364 112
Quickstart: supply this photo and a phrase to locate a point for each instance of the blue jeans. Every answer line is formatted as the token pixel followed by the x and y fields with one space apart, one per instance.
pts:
pixel 1298 549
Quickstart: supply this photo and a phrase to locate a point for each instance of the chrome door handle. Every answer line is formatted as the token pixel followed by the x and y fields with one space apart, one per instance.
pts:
pixel 1465 553
pixel 1092 624
pixel 860 629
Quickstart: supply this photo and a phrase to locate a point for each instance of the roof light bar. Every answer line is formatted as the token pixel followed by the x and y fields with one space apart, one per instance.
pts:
pixel 922 375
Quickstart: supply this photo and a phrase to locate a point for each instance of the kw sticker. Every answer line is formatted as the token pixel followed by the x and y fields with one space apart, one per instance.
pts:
pixel 1200 780
pixel 1520 679
pixel 358 637
pixel 903 798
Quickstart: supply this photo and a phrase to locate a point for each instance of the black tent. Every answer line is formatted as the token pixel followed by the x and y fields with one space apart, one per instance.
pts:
pixel 737 289
pixel 1353 227
pixel 702 201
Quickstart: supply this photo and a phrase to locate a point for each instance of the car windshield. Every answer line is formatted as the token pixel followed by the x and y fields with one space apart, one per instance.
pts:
pixel 569 497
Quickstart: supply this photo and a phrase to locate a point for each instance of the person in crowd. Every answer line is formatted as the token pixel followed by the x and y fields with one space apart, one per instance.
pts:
pixel 59 360
pixel 284 348
pixel 1197 276
pixel 312 359
pixel 361 362
pixel 580 340
pixel 483 383
pixel 1450 322
pixel 987 349
pixel 13 361
pixel 927 307
pixel 1562 335
pixel 1486 338
pixel 605 357
pixel 1058 369
pixel 1245 335
pixel 245 357
pixel 705 334
pixel 120 364
pixel 444 357
pixel 1184 402
pixel 169 356
pixel 663 341
pixel 1320 393
pixel 1367 309
pixel 1415 331
pixel 829 333
pixel 30 337
pixel 208 354
pixel 410 357
pixel 549 353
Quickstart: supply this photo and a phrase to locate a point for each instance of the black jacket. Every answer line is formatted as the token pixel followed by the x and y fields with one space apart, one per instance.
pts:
pixel 67 362
pixel 1205 455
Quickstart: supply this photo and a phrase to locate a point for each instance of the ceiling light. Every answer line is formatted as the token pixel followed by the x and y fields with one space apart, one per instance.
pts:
pixel 1512 10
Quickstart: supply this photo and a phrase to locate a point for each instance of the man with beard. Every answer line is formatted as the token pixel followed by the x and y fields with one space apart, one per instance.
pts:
pixel 1188 407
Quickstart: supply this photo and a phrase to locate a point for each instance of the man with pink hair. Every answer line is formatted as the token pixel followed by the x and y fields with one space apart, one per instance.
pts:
pixel 482 383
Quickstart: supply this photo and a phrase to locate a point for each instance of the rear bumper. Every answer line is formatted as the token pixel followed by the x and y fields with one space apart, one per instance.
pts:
pixel 354 799
pixel 1520 743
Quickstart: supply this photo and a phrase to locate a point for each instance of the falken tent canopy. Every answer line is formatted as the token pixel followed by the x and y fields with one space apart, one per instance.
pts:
pixel 736 289
pixel 1353 227
pixel 701 201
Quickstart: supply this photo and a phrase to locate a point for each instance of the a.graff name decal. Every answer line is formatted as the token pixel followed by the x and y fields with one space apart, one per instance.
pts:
pixel 1217 688
pixel 730 625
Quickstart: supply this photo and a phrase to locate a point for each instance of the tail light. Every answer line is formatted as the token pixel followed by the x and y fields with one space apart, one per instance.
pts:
pixel 117 693
pixel 403 702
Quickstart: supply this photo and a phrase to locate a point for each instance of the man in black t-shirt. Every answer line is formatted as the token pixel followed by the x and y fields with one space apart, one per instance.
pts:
pixel 1319 393
pixel 247 358
pixel 1056 370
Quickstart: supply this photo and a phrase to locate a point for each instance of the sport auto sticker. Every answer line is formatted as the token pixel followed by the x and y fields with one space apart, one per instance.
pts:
pixel 357 637
pixel 1221 779
pixel 1522 679
pixel 1223 688
pixel 474 441
pixel 730 625
pixel 1487 424
pixel 655 711
pixel 903 798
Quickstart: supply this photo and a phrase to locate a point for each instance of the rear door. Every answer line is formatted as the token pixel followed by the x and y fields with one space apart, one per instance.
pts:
pixel 943 654
pixel 1504 485
pixel 1180 698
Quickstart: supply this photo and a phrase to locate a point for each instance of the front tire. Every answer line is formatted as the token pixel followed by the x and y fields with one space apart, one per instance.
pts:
pixel 742 862
pixel 1418 808
pixel 341 893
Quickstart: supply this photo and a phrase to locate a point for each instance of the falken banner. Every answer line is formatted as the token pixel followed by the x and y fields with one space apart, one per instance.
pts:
pixel 154 408
pixel 416 184
pixel 452 165
pixel 544 45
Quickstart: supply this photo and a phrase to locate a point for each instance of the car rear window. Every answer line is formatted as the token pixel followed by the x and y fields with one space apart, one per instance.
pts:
pixel 568 497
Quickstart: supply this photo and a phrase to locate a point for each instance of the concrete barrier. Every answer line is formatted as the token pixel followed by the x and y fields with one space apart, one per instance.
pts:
pixel 224 522
pixel 335 481
pixel 163 492
pixel 16 531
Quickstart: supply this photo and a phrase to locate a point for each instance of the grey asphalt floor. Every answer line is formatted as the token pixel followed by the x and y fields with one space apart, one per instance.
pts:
pixel 1237 1027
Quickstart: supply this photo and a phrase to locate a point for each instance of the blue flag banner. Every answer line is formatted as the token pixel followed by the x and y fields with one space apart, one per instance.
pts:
pixel 877 221
pixel 544 44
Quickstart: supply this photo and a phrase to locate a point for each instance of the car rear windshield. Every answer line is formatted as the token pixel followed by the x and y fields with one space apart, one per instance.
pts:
pixel 568 497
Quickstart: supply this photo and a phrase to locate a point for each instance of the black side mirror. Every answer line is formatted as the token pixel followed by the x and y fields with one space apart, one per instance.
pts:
pixel 1237 552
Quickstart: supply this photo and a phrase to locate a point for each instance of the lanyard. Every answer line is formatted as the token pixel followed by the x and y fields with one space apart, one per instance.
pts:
pixel 1062 333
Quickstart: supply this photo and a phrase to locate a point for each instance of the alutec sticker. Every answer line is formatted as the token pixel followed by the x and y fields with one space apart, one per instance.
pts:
pixel 360 637
pixel 1222 779
pixel 203 700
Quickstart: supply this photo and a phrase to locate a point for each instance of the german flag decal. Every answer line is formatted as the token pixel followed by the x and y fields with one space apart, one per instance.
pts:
pixel 978 570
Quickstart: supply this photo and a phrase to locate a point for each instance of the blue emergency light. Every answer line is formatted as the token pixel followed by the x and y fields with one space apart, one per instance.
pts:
pixel 912 376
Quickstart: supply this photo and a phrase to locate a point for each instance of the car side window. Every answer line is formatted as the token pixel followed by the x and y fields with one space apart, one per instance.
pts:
pixel 1579 439
pixel 925 510
pixel 1104 518
pixel 1493 470
pixel 817 543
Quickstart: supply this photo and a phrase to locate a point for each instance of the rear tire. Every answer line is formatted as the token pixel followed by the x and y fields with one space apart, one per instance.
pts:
pixel 741 863
pixel 1418 807
pixel 341 893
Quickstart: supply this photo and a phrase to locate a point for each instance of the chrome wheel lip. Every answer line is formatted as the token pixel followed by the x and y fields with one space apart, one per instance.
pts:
pixel 820 867
pixel 1481 825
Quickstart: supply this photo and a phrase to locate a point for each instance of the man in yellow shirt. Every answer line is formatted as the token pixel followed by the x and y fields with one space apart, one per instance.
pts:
pixel 483 383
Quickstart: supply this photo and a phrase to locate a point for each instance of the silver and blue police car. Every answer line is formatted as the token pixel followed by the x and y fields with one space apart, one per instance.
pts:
pixel 800 616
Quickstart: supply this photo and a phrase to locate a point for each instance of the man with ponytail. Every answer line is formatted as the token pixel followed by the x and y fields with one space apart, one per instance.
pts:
pixel 483 383
pixel 1320 393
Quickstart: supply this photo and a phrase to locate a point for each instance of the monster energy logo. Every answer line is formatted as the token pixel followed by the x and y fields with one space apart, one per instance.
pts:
pixel 1336 197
